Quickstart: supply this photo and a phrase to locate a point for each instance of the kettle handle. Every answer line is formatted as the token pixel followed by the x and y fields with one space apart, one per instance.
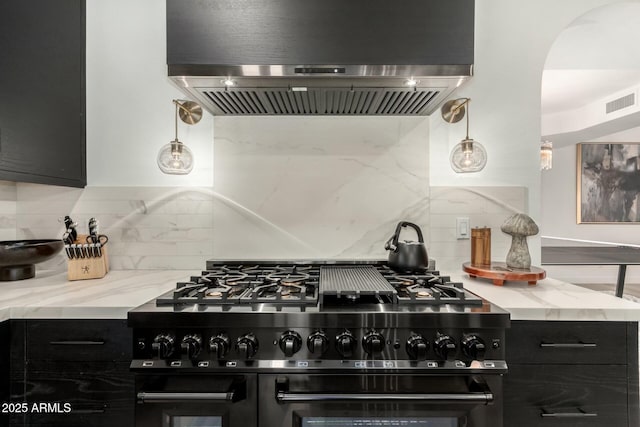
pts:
pixel 392 243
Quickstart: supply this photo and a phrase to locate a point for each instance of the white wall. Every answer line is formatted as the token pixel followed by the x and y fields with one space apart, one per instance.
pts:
pixel 559 199
pixel 559 215
pixel 130 115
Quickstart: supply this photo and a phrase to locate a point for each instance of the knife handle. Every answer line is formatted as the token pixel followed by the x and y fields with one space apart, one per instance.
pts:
pixel 93 227
pixel 68 222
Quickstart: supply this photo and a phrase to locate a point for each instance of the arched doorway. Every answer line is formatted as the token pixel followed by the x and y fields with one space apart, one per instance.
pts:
pixel 590 91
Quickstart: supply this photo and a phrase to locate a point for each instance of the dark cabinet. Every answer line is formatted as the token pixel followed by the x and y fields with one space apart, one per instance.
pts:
pixel 81 363
pixel 5 368
pixel 42 92
pixel 571 373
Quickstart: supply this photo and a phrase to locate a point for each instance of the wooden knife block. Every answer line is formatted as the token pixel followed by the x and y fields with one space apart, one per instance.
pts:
pixel 88 268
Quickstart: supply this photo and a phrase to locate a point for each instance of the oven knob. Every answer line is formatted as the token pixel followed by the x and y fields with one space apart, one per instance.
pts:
pixel 219 345
pixel 373 342
pixel 345 344
pixel 417 347
pixel 318 343
pixel 290 343
pixel 162 346
pixel 247 346
pixel 191 345
pixel 445 347
pixel 473 347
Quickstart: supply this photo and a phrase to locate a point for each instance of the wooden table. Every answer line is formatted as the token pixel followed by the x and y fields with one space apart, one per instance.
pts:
pixel 594 255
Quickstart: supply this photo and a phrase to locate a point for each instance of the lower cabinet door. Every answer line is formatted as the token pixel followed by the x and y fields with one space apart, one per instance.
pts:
pixel 79 394
pixel 566 395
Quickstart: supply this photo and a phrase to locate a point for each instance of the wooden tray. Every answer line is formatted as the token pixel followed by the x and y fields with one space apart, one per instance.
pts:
pixel 500 273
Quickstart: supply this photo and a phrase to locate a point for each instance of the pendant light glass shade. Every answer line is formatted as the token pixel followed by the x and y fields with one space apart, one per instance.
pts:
pixel 546 155
pixel 175 158
pixel 468 156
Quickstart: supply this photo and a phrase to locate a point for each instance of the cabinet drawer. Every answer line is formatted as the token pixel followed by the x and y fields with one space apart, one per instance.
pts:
pixel 560 395
pixel 567 342
pixel 99 393
pixel 82 340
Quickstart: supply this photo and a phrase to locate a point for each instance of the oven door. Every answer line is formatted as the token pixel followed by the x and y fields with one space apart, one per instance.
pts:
pixel 188 400
pixel 380 400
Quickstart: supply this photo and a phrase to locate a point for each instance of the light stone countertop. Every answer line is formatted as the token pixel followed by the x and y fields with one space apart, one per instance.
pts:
pixel 49 295
pixel 552 299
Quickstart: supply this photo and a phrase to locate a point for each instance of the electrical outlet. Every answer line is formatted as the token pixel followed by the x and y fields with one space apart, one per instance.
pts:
pixel 463 230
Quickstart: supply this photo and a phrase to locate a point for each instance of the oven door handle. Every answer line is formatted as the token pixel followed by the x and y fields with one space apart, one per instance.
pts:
pixel 161 397
pixel 475 398
pixel 479 393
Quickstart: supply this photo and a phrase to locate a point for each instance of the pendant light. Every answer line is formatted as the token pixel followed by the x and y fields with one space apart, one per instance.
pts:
pixel 546 155
pixel 175 158
pixel 468 155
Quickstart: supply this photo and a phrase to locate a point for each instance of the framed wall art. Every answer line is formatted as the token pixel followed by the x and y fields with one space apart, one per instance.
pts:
pixel 608 182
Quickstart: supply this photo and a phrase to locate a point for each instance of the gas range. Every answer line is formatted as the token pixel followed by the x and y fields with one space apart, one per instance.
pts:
pixel 327 343
pixel 265 311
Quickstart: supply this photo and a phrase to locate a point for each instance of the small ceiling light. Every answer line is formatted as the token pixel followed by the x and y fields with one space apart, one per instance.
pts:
pixel 468 155
pixel 411 82
pixel 229 82
pixel 175 158
pixel 546 155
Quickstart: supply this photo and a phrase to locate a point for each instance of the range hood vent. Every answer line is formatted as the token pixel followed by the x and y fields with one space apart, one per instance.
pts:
pixel 320 57
pixel 328 101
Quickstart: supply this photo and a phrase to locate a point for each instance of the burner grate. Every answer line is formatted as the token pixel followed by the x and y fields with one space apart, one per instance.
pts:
pixel 304 285
pixel 429 288
pixel 281 285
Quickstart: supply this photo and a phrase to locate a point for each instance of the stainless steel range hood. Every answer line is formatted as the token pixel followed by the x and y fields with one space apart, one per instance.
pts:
pixel 320 57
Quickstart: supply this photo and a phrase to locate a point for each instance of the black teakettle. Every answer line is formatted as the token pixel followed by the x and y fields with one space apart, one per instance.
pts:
pixel 407 256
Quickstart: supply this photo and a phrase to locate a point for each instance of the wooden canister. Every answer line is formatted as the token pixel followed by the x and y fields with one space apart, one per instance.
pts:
pixel 481 246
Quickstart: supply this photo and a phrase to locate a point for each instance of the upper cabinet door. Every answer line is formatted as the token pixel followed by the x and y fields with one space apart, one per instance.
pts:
pixel 42 92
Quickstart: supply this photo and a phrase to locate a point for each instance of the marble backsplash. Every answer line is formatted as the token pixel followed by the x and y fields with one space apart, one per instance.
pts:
pixel 148 227
pixel 485 207
pixel 180 228
pixel 327 187
pixel 8 202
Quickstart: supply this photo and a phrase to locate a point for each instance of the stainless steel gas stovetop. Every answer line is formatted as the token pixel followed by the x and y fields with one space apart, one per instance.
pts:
pixel 263 312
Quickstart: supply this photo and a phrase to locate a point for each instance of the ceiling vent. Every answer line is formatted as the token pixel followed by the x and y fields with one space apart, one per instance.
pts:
pixel 620 103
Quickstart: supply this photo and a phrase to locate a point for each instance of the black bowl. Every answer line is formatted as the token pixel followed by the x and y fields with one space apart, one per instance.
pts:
pixel 18 257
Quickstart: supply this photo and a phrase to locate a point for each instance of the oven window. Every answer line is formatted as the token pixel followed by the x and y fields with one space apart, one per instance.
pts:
pixel 195 421
pixel 379 422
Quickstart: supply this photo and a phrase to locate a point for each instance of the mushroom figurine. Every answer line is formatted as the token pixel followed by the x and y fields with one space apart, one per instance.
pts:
pixel 519 226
